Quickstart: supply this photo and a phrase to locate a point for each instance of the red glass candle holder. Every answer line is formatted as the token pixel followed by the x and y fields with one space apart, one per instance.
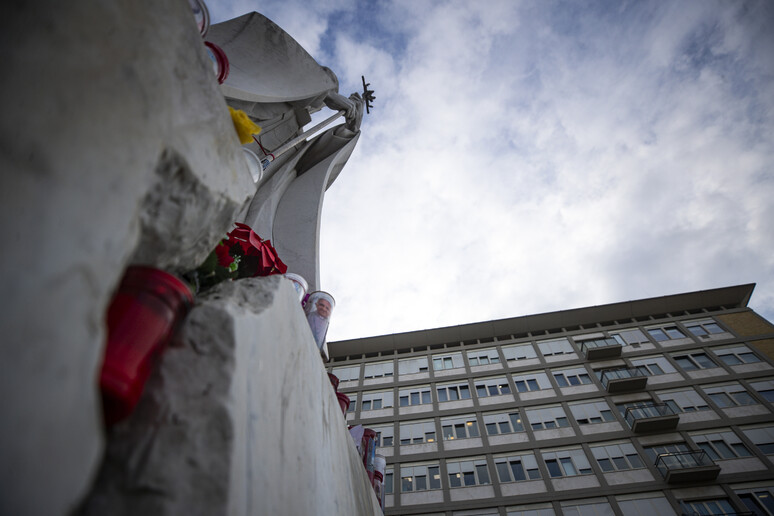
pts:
pixel 220 63
pixel 141 319
pixel 334 381
pixel 379 488
pixel 343 402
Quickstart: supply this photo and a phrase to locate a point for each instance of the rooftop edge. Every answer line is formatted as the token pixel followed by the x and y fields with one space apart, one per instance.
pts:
pixel 737 296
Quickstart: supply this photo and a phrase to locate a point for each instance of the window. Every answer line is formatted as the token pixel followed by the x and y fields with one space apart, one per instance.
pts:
pixel 571 377
pixel 647 504
pixel 519 352
pixel 653 366
pixel 762 437
pixel 765 389
pixel 376 400
pixel 736 355
pixel 415 395
pixel 729 395
pixel 665 449
pixel 632 337
pixel 469 472
pixel 694 360
pixel 721 445
pixel 460 427
pixel 616 457
pixel 662 333
pixel 492 387
pixel 566 463
pixel 352 403
pixel 517 467
pixel 597 507
pixel 417 432
pixel 547 417
pixel 384 435
pixel 758 500
pixel 412 365
pixel 483 357
pixel 703 328
pixel 590 413
pixel 452 392
pixel 378 370
pixel 528 382
pixel 346 373
pixel 444 362
pixel 389 482
pixel 503 423
pixel 555 347
pixel 419 477
pixel 685 400
pixel 709 507
pixel 538 509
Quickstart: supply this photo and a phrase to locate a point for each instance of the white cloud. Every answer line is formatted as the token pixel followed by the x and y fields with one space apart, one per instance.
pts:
pixel 306 22
pixel 526 157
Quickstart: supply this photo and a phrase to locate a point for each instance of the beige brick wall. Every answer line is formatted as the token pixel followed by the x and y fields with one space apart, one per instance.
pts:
pixel 765 346
pixel 746 324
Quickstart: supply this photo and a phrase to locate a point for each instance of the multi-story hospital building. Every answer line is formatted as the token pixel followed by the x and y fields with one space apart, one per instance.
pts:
pixel 650 407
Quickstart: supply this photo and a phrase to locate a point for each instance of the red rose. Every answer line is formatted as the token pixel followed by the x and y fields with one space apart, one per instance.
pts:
pixel 224 257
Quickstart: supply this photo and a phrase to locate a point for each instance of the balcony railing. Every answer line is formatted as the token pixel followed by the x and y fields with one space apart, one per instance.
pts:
pixel 601 348
pixel 690 466
pixel 694 513
pixel 651 417
pixel 623 379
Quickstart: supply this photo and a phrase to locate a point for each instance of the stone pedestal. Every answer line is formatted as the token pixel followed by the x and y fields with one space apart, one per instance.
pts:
pixel 239 418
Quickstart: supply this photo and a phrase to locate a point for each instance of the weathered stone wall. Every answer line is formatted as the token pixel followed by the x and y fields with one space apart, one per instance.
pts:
pixel 115 147
pixel 239 419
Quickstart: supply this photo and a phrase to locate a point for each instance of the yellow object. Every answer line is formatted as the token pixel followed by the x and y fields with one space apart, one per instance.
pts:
pixel 245 127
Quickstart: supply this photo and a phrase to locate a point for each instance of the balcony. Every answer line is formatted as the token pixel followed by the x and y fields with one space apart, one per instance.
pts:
pixel 623 379
pixel 596 349
pixel 651 417
pixel 690 466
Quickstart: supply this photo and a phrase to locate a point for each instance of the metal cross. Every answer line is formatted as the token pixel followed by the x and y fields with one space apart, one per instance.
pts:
pixel 368 95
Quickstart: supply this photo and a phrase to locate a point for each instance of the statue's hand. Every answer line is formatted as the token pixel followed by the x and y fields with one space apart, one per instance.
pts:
pixel 352 107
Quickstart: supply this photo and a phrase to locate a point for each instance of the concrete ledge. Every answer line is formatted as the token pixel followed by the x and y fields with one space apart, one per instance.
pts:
pixel 471 493
pixel 523 488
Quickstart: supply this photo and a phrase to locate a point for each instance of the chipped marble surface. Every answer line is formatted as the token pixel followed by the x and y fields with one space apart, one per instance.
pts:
pixel 239 419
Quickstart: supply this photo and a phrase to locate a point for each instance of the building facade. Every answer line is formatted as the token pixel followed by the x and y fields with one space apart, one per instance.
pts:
pixel 651 407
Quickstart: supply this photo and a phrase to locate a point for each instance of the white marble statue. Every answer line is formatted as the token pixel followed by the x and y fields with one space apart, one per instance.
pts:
pixel 278 84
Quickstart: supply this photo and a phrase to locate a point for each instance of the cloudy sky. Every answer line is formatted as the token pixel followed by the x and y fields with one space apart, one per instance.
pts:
pixel 532 156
